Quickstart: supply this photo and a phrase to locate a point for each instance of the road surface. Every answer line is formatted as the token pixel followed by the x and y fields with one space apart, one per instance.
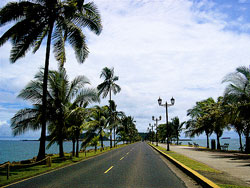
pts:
pixel 135 165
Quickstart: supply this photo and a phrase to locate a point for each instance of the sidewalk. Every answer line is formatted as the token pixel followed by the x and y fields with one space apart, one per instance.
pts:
pixel 235 164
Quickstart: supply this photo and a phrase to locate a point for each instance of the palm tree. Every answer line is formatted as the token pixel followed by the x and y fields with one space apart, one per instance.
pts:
pixel 195 127
pixel 177 127
pixel 64 95
pixel 127 129
pixel 96 123
pixel 58 21
pixel 238 92
pixel 107 87
pixel 235 120
pixel 76 123
pixel 61 95
pixel 94 142
pixel 217 116
pixel 116 118
pixel 29 118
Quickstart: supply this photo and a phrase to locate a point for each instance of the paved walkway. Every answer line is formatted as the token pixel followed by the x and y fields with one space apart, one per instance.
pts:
pixel 235 164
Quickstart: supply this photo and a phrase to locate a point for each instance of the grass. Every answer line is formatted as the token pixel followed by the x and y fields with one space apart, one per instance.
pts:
pixel 17 174
pixel 198 166
pixel 193 164
pixel 231 186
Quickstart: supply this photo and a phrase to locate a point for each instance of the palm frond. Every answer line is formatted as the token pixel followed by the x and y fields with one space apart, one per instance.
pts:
pixel 87 95
pixel 26 119
pixel 78 83
pixel 59 45
pixel 14 11
pixel 90 17
pixel 77 40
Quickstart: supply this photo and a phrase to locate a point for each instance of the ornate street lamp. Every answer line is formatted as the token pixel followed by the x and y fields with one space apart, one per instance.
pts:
pixel 151 126
pixel 156 124
pixel 167 105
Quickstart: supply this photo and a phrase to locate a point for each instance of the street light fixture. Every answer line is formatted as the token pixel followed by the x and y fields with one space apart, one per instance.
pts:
pixel 172 100
pixel 156 124
pixel 151 126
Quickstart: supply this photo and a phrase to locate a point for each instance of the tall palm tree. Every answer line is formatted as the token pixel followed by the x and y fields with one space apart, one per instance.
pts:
pixel 238 92
pixel 107 87
pixel 57 21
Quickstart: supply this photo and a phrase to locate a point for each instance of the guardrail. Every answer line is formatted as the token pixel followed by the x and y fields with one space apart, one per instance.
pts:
pixel 8 165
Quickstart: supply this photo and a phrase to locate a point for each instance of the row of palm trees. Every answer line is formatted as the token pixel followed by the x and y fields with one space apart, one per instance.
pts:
pixel 230 111
pixel 56 101
pixel 69 111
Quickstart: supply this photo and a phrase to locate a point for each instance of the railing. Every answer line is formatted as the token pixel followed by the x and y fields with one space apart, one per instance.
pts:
pixel 8 165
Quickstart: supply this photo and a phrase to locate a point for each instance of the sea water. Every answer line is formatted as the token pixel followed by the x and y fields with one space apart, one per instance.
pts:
pixel 16 150
pixel 234 144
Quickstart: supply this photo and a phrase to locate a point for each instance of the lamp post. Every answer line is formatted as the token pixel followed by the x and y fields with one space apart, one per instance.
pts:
pixel 151 126
pixel 156 124
pixel 166 105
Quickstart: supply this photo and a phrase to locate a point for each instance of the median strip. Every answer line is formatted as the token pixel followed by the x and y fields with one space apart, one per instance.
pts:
pixel 108 170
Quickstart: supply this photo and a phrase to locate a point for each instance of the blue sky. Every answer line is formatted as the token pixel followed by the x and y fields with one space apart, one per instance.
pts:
pixel 164 48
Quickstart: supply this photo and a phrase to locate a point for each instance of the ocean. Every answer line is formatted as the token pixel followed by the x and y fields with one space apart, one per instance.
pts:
pixel 16 150
pixel 234 144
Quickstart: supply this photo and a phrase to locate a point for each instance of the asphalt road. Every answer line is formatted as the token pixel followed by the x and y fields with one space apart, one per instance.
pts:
pixel 135 166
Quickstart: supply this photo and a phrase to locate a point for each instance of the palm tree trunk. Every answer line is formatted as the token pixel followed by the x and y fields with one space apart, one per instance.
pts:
pixel 61 153
pixel 73 152
pixel 218 142
pixel 247 149
pixel 41 153
pixel 110 117
pixel 114 136
pixel 241 148
pixel 110 138
pixel 61 138
pixel 177 137
pixel 207 140
pixel 77 144
pixel 101 140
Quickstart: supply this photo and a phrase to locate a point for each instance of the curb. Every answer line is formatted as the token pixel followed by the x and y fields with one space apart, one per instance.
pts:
pixel 193 174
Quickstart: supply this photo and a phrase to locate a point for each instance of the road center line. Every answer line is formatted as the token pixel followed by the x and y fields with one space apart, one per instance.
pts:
pixel 108 169
pixel 121 158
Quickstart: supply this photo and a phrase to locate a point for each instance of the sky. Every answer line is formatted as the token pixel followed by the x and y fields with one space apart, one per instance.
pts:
pixel 158 48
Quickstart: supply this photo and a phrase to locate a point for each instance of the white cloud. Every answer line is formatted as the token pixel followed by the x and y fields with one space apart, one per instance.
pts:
pixel 158 48
pixel 242 1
